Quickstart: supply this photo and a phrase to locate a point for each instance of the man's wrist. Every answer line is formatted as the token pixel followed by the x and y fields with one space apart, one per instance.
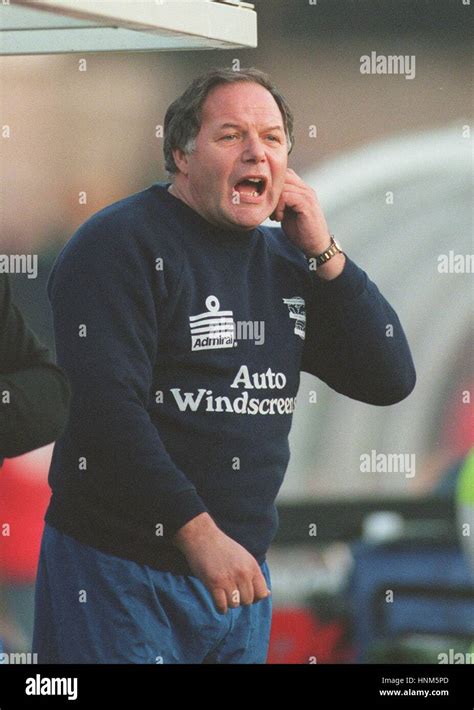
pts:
pixel 314 252
pixel 197 528
pixel 328 261
pixel 332 269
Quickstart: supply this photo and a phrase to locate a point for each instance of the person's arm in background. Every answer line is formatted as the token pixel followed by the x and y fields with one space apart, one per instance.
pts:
pixel 34 392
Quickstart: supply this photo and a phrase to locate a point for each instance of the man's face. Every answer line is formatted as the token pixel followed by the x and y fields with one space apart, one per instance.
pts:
pixel 241 136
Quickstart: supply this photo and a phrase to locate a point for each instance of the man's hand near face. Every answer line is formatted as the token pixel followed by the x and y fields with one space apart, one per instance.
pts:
pixel 303 222
pixel 230 573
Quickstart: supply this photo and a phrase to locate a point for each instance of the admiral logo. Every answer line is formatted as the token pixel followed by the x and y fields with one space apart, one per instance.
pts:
pixel 296 308
pixel 212 329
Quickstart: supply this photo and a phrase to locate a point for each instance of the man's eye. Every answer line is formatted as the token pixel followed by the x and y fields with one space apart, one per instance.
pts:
pixel 224 138
pixel 274 138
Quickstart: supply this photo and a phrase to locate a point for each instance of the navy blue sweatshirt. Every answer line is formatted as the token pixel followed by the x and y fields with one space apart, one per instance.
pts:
pixel 183 343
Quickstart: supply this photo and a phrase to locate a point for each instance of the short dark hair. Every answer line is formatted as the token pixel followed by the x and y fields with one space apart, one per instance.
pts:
pixel 183 117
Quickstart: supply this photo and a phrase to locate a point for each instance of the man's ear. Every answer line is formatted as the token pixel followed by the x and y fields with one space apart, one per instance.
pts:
pixel 181 160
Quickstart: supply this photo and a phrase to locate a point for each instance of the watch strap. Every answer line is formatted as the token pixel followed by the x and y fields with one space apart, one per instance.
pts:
pixel 331 251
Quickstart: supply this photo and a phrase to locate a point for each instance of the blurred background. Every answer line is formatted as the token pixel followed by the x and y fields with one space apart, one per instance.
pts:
pixel 368 566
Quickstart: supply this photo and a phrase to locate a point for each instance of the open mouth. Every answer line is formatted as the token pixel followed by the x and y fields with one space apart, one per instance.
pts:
pixel 251 186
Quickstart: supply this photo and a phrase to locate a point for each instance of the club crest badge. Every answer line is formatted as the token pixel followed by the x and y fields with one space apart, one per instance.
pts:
pixel 296 308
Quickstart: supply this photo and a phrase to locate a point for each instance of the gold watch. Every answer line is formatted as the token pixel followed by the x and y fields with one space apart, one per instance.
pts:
pixel 331 251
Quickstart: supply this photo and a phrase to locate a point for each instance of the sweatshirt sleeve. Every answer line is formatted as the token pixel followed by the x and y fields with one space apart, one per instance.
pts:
pixel 34 393
pixel 355 342
pixel 107 308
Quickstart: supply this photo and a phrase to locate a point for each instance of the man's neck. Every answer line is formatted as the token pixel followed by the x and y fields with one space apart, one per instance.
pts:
pixel 176 192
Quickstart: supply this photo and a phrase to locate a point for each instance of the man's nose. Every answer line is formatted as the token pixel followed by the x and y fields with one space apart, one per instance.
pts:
pixel 254 150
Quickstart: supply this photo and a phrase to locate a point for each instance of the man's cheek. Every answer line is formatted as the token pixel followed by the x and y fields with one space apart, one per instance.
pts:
pixel 271 202
pixel 277 195
pixel 281 185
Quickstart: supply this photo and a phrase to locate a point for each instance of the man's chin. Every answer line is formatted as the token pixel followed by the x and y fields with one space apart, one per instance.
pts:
pixel 249 217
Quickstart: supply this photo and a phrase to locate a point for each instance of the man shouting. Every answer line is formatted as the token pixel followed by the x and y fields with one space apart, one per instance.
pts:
pixel 164 482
